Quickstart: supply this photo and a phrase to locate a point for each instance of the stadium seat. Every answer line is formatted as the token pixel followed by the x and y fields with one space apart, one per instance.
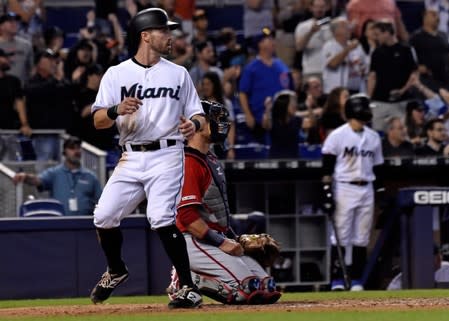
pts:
pixel 311 152
pixel 41 207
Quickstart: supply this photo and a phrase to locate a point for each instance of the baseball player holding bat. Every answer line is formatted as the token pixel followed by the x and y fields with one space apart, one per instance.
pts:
pixel 351 154
pixel 155 106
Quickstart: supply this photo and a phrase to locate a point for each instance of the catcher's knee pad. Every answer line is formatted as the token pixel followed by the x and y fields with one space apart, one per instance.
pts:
pixel 214 288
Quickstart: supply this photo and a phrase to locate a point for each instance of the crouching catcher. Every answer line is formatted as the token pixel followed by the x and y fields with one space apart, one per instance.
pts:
pixel 219 267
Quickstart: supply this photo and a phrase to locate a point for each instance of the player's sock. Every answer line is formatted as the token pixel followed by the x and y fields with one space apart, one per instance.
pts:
pixel 358 262
pixel 176 249
pixel 111 241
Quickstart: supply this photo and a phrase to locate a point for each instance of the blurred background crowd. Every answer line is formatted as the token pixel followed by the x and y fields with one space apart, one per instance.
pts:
pixel 284 71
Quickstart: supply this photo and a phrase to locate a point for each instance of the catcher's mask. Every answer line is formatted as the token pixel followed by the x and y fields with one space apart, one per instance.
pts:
pixel 219 123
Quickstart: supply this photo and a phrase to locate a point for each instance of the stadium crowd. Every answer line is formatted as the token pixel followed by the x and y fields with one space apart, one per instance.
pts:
pixel 280 99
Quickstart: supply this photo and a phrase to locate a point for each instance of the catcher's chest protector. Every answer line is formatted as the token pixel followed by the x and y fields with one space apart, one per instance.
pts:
pixel 215 199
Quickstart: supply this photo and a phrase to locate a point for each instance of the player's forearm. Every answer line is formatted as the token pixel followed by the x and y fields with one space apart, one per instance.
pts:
pixel 102 120
pixel 198 228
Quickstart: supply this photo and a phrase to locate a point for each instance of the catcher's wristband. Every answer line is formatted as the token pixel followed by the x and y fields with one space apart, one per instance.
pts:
pixel 112 112
pixel 214 238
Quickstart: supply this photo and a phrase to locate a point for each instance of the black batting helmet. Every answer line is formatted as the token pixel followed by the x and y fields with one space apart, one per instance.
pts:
pixel 358 107
pixel 151 18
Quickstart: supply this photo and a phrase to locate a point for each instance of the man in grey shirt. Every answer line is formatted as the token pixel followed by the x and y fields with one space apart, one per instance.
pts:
pixel 21 49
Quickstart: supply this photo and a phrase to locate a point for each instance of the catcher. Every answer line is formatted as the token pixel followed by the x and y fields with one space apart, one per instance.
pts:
pixel 218 264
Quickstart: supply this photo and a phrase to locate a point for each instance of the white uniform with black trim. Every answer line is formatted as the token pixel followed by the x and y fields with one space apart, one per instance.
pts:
pixel 167 92
pixel 357 153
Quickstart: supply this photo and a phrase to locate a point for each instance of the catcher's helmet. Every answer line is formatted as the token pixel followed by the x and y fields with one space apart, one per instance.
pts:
pixel 219 122
pixel 151 18
pixel 358 107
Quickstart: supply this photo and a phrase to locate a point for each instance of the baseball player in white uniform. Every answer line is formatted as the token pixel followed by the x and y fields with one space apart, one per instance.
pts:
pixel 350 154
pixel 155 106
pixel 219 268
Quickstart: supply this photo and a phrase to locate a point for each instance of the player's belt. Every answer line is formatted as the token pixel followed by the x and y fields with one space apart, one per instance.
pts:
pixel 154 145
pixel 358 183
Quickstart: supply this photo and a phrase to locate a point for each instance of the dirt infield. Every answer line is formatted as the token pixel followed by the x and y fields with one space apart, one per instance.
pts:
pixel 289 306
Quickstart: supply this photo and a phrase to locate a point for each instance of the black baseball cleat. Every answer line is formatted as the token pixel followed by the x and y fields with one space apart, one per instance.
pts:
pixel 106 285
pixel 186 298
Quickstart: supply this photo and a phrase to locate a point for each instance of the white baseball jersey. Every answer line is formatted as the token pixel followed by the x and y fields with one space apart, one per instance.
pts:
pixel 165 90
pixel 357 153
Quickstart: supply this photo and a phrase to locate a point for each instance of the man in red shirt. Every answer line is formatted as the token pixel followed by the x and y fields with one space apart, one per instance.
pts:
pixel 359 11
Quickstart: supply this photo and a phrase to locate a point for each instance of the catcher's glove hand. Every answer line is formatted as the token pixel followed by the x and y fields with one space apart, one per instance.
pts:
pixel 261 247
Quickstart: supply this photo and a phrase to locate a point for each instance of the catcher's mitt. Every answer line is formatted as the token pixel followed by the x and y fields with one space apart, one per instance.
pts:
pixel 261 247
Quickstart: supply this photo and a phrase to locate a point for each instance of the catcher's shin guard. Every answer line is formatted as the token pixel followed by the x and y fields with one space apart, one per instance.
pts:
pixel 214 288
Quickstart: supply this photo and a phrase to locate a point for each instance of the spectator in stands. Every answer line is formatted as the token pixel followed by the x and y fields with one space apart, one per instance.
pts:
pixel 333 114
pixel 200 28
pixel 106 37
pixel 205 61
pixel 50 104
pixel 392 69
pixel 314 99
pixel 212 90
pixel 75 187
pixel 343 59
pixel 257 14
pixel 358 11
pixel 436 136
pixel 22 60
pixel 181 50
pixel 89 84
pixel 414 122
pixel 368 40
pixel 432 50
pixel 261 78
pixel 185 9
pixel 310 37
pixel 80 56
pixel 283 124
pixel 231 48
pixel 32 15
pixel 12 101
pixel 442 7
pixel 309 133
pixel 395 143
pixel 54 39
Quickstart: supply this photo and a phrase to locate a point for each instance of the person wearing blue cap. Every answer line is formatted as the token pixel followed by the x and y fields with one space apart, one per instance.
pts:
pixel 261 79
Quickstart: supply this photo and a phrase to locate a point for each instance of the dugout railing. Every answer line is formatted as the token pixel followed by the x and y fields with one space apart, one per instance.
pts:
pixel 11 152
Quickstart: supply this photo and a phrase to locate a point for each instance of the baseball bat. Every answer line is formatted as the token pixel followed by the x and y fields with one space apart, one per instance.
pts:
pixel 341 258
